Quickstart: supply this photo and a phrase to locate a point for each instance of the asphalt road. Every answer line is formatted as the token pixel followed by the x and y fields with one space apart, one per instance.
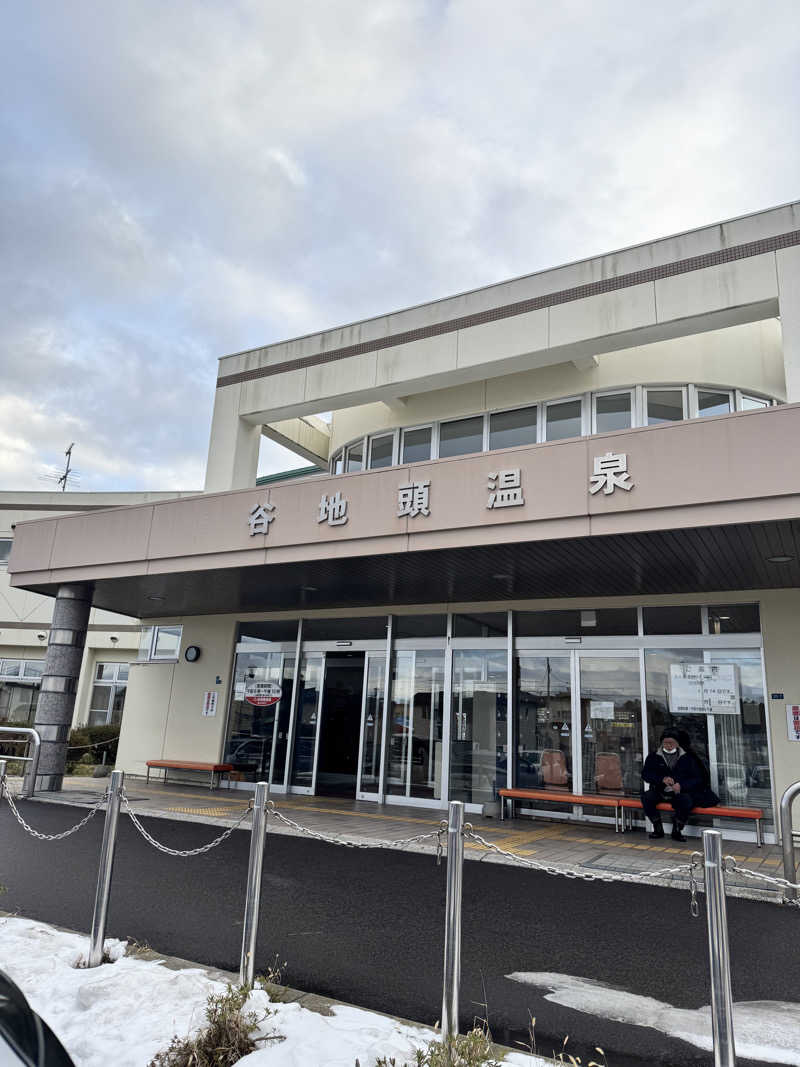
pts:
pixel 366 926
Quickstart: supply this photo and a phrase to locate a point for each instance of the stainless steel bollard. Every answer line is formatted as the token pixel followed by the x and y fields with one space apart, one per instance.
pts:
pixel 452 927
pixel 106 868
pixel 2 778
pixel 252 902
pixel 787 840
pixel 718 951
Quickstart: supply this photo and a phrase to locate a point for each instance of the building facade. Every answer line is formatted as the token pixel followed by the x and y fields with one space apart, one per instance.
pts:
pixel 545 519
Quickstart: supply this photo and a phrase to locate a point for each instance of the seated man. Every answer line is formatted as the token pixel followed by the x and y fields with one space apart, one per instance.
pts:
pixel 675 776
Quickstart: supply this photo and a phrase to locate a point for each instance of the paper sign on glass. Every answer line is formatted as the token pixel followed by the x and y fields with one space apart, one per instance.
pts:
pixel 601 709
pixel 704 689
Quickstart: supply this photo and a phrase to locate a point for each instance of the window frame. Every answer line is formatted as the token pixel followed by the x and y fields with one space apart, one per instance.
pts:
pixel 671 387
pixel 536 406
pixel 434 443
pixel 761 401
pixel 151 656
pixel 694 400
pixel 462 418
pixel 10 541
pixel 361 442
pixel 580 398
pixel 394 434
pixel 113 684
pixel 613 392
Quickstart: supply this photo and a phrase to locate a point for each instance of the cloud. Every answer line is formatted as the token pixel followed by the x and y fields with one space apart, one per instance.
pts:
pixel 183 181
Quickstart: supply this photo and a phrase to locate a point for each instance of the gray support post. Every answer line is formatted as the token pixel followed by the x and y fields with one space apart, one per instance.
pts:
pixel 62 668
pixel 718 951
pixel 2 779
pixel 452 928
pixel 252 902
pixel 105 871
pixel 787 840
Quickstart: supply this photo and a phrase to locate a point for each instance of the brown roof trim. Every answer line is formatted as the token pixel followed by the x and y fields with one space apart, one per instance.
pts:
pixel 522 307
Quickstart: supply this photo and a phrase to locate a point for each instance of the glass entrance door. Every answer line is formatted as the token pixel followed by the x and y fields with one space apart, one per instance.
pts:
pixel 608 719
pixel 369 761
pixel 543 758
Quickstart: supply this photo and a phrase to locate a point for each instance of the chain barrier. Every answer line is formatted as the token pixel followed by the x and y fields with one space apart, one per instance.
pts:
pixel 50 837
pixel 331 839
pixel 177 851
pixel 592 876
pixel 732 867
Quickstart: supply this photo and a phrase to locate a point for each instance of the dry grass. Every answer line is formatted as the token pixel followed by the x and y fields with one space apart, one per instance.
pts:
pixel 228 1036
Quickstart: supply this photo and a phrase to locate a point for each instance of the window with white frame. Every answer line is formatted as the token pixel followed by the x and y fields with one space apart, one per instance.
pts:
pixel 354 457
pixel 713 402
pixel 416 445
pixel 664 405
pixel 563 419
pixel 159 643
pixel 108 693
pixel 555 420
pixel 612 411
pixel 510 429
pixel 460 437
pixel 5 550
pixel 381 451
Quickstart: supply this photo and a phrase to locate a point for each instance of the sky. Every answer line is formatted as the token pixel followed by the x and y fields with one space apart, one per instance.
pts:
pixel 181 181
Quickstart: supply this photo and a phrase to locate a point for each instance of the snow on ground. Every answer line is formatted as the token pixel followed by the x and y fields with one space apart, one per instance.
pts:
pixel 763 1029
pixel 127 1011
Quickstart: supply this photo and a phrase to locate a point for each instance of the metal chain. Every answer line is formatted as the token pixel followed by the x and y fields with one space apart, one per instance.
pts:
pixel 336 840
pixel 50 837
pixel 177 851
pixel 587 876
pixel 732 867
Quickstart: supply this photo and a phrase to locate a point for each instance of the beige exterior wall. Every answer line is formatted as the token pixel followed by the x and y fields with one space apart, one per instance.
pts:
pixel 163 709
pixel 748 357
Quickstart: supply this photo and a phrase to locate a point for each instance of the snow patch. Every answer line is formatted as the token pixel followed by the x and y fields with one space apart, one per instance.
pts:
pixel 127 1011
pixel 764 1029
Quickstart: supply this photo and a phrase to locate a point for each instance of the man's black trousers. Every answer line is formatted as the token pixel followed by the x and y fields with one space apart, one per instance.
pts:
pixel 682 804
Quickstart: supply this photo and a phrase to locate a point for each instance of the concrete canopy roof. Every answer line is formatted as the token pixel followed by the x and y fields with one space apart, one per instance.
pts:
pixel 712 500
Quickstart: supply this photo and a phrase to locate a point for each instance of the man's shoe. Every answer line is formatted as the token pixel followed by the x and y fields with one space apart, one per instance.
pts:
pixel 677 835
pixel 658 830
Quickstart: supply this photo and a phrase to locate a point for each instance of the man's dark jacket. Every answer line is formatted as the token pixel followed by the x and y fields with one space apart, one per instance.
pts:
pixel 687 772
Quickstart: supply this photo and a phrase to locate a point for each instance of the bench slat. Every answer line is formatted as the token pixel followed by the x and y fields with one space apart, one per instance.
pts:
pixel 189 765
pixel 563 798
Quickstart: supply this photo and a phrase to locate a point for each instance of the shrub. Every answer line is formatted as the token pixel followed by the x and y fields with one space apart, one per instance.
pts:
pixel 95 736
pixel 468 1050
pixel 227 1037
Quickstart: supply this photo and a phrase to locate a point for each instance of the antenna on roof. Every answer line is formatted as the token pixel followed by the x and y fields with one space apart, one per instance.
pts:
pixel 65 478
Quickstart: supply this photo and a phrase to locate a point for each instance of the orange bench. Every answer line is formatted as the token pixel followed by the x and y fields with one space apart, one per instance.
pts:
pixel 189 765
pixel 555 796
pixel 719 810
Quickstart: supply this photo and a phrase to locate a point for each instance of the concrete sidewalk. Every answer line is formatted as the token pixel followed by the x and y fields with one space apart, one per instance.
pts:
pixel 579 847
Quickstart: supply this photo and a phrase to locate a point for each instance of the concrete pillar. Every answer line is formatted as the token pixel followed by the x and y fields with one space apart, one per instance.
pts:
pixel 788 261
pixel 233 445
pixel 62 668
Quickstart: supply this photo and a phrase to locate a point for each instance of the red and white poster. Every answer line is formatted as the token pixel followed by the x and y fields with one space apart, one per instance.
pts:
pixel 793 721
pixel 262 694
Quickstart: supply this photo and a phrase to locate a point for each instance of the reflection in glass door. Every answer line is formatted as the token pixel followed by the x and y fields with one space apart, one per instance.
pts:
pixel 544 722
pixel 479 740
pixel 312 670
pixel 610 723
pixel 258 724
pixel 415 725
pixel 372 726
